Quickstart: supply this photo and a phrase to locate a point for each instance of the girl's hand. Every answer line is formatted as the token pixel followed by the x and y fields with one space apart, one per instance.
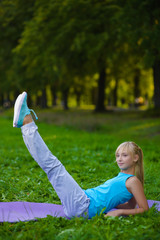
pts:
pixel 115 213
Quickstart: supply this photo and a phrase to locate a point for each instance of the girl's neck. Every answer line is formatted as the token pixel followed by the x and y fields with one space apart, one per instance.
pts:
pixel 129 171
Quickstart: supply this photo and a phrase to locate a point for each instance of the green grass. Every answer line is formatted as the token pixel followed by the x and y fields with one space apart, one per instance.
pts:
pixel 85 142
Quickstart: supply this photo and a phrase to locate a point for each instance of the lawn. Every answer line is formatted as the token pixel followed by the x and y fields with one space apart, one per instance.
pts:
pixel 85 142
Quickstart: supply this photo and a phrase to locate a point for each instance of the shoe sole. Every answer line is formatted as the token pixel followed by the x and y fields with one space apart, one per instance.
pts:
pixel 17 108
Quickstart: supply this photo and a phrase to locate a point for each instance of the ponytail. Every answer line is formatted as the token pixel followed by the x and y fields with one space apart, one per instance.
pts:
pixel 139 165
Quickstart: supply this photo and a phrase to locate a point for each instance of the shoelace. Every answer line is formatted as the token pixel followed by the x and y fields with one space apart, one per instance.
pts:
pixel 31 110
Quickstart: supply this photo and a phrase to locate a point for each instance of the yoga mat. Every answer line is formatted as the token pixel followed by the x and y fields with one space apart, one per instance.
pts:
pixel 26 211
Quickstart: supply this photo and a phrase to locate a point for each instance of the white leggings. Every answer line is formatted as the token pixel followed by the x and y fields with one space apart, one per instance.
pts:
pixel 74 201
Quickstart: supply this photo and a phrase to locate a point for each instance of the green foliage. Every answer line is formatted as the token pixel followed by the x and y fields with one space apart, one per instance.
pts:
pixel 62 47
pixel 14 15
pixel 57 42
pixel 85 143
pixel 142 29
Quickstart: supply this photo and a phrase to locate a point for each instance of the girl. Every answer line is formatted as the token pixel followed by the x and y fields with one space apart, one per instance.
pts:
pixel 122 192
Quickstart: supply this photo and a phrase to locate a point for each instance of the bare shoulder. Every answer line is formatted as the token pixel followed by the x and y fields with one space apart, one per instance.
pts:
pixel 133 182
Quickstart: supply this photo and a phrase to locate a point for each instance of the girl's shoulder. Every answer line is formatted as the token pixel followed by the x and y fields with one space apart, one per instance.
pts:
pixel 133 181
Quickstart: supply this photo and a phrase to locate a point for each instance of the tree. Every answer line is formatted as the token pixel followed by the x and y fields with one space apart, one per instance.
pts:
pixel 75 36
pixel 141 29
pixel 14 15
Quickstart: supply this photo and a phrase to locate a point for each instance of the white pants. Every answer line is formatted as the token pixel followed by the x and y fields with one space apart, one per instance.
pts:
pixel 74 201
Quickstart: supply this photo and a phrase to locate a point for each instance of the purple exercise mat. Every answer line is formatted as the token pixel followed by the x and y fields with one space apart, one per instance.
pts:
pixel 26 211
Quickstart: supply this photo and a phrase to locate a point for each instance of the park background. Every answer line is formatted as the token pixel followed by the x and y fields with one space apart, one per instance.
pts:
pixel 77 53
pixel 92 72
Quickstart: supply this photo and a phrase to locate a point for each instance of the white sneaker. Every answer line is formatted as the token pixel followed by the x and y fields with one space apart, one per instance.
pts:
pixel 21 110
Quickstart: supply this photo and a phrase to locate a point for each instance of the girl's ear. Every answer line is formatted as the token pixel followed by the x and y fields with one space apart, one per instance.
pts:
pixel 136 157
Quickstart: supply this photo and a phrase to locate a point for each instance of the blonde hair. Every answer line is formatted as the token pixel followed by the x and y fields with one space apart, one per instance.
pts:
pixel 134 149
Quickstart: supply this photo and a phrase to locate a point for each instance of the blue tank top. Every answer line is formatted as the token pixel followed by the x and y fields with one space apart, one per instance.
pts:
pixel 108 195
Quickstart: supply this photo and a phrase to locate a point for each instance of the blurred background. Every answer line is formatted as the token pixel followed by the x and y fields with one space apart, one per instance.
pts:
pixel 93 54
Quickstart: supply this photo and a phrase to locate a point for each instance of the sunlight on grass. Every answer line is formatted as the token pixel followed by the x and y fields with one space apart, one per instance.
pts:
pixel 145 126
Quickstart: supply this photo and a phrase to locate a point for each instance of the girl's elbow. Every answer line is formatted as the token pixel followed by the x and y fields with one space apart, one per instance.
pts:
pixel 143 209
pixel 146 208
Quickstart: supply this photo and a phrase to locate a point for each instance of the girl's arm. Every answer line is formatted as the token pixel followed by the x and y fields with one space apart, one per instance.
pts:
pixel 135 187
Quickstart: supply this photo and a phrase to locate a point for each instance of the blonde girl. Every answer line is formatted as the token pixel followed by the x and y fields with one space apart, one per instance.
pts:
pixel 123 192
pixel 129 157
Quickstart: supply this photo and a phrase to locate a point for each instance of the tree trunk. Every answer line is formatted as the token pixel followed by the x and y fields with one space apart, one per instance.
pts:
pixel 136 83
pixel 101 91
pixel 29 100
pixel 115 97
pixel 16 94
pixel 44 99
pixel 156 76
pixel 65 99
pixel 1 99
pixel 54 96
pixel 78 98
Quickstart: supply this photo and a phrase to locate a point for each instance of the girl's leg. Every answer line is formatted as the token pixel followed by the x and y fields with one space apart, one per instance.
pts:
pixel 74 200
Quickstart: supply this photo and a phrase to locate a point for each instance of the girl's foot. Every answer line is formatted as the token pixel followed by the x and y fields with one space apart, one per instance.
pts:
pixel 21 111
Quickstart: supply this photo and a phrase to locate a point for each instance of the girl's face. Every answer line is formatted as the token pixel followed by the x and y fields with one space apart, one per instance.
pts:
pixel 125 159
